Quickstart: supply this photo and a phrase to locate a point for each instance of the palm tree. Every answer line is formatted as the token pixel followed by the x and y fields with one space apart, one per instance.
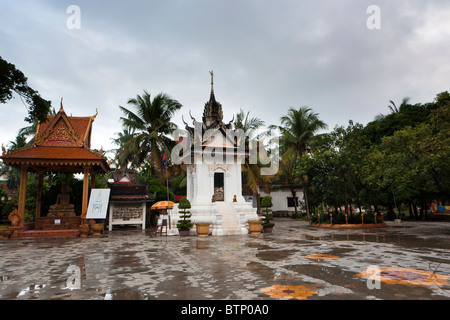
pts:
pixel 394 108
pixel 297 129
pixel 123 155
pixel 151 125
pixel 287 173
pixel 252 172
pixel 248 125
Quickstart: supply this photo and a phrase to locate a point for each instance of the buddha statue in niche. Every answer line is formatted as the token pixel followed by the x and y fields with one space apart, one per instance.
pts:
pixel 62 207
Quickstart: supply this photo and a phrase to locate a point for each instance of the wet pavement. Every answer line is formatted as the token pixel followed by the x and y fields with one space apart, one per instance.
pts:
pixel 296 261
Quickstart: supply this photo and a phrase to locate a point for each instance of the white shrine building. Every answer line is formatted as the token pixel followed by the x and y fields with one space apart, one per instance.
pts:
pixel 213 157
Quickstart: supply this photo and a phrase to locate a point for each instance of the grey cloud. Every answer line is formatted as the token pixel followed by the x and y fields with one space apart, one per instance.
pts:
pixel 267 56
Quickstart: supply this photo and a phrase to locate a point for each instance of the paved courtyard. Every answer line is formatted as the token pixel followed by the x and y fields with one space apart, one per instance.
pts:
pixel 296 261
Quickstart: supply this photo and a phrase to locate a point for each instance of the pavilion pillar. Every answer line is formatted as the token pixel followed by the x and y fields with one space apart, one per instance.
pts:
pixel 39 194
pixel 22 194
pixel 84 204
pixel 92 179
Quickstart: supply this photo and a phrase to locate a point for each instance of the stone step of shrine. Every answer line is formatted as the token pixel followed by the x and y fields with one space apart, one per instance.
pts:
pixel 68 233
pixel 230 220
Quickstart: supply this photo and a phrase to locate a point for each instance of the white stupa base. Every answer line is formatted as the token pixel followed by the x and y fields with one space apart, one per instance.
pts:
pixel 225 218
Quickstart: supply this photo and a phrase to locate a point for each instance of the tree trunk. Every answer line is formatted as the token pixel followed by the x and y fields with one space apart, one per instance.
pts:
pixel 423 209
pixel 410 211
pixel 416 215
pixel 346 202
pixel 295 201
pixel 305 196
pixel 258 204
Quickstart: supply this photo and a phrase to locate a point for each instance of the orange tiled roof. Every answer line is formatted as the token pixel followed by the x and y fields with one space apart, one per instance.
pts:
pixel 61 141
pixel 55 156
pixel 54 152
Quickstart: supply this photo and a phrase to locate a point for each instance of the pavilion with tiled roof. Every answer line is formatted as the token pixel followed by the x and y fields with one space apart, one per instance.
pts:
pixel 61 144
pixel 128 201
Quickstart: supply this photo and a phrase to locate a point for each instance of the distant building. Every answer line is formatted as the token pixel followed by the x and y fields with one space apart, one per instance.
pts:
pixel 282 199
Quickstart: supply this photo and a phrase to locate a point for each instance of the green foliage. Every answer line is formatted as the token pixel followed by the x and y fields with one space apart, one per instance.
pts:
pixel 13 80
pixel 185 223
pixel 298 128
pixel 406 166
pixel 266 202
pixel 178 182
pixel 184 203
pixel 145 138
pixel 158 190
pixel 6 206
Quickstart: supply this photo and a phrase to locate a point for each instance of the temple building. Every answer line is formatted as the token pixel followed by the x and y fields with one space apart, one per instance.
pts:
pixel 61 144
pixel 214 174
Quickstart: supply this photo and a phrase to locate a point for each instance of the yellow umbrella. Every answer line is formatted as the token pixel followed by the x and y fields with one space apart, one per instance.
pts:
pixel 162 205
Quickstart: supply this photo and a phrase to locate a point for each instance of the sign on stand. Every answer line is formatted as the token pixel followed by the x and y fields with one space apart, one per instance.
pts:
pixel 98 204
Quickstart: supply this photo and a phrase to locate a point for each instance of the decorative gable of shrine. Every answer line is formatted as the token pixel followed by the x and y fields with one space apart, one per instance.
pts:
pixel 61 130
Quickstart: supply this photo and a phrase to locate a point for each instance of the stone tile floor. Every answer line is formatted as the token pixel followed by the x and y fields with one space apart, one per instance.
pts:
pixel 296 261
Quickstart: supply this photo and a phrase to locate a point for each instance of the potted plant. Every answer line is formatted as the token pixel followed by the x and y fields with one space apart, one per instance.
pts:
pixel 267 214
pixel 184 225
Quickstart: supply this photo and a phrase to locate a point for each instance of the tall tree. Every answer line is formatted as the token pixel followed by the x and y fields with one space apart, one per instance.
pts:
pixel 124 154
pixel 251 171
pixel 297 129
pixel 152 125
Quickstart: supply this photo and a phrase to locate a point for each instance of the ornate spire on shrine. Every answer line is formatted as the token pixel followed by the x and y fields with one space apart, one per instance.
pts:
pixel 212 113
pixel 212 81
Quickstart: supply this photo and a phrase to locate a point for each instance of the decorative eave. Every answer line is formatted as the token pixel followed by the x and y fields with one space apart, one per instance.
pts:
pixel 38 161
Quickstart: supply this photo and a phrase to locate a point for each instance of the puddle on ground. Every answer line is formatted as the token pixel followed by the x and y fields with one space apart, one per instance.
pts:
pixel 350 280
pixel 258 245
pixel 407 241
pixel 261 270
pixel 274 255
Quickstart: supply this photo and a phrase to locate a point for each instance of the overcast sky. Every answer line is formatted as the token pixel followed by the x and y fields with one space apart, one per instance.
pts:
pixel 267 56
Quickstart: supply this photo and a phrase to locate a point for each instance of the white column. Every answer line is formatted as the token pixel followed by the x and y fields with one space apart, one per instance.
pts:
pixel 144 205
pixel 111 210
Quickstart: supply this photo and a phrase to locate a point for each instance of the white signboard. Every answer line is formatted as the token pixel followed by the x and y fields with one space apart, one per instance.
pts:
pixel 98 204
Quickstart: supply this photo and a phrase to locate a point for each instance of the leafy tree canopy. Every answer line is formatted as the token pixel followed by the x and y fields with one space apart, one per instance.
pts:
pixel 13 80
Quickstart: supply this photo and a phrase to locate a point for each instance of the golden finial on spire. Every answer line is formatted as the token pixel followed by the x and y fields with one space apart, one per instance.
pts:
pixel 96 113
pixel 61 108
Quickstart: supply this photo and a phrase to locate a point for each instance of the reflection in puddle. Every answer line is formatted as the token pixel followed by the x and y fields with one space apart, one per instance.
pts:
pixel 202 244
pixel 257 245
pixel 274 255
pixel 405 276
pixel 321 256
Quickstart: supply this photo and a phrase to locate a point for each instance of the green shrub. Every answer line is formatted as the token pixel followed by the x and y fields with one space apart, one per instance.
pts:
pixel 267 213
pixel 185 223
